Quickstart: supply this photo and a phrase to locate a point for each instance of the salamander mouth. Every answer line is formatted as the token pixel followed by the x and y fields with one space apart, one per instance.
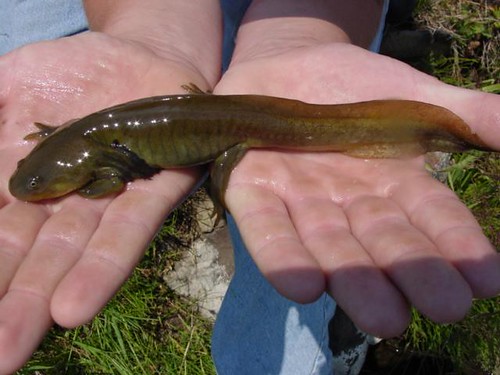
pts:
pixel 44 195
pixel 25 189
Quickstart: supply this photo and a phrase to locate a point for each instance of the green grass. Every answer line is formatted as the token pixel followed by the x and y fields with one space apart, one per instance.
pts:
pixel 475 178
pixel 475 26
pixel 473 343
pixel 145 329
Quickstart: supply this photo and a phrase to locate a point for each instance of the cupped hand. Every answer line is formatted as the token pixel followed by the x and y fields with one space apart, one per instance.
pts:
pixel 63 260
pixel 378 235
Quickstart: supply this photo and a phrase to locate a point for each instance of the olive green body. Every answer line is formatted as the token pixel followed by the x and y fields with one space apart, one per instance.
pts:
pixel 99 153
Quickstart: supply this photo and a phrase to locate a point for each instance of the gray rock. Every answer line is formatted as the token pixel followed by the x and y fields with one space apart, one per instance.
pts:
pixel 200 275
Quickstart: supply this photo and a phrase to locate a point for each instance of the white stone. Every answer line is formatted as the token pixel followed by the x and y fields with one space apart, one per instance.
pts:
pixel 199 276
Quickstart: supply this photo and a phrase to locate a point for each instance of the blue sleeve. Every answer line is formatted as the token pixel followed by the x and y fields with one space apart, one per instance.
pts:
pixel 24 22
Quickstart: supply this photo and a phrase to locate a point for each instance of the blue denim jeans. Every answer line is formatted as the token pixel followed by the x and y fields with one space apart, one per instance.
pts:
pixel 257 331
pixel 24 22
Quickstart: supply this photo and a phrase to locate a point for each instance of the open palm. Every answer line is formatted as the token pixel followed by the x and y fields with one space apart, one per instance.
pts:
pixel 64 260
pixel 378 235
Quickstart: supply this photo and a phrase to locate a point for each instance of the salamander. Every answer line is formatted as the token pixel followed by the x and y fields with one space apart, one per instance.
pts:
pixel 99 153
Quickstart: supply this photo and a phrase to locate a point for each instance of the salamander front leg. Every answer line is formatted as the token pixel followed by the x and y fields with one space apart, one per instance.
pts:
pixel 107 181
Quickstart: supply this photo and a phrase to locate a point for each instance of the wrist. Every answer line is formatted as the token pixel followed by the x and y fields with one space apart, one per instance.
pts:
pixel 273 27
pixel 187 33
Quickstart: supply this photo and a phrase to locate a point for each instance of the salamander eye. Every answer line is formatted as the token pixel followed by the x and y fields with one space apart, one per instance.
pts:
pixel 34 182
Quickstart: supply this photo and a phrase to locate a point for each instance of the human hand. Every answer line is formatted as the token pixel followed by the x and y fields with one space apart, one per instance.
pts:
pixel 378 235
pixel 63 260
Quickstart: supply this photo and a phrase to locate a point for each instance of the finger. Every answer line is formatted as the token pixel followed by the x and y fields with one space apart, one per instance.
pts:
pixel 24 321
pixel 273 242
pixel 437 212
pixel 355 282
pixel 479 109
pixel 19 225
pixel 125 230
pixel 24 310
pixel 58 245
pixel 410 259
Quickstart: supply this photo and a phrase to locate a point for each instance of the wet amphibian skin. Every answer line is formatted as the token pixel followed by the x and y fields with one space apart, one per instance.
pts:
pixel 98 154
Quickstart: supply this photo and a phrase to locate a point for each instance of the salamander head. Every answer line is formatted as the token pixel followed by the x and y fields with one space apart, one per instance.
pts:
pixel 50 171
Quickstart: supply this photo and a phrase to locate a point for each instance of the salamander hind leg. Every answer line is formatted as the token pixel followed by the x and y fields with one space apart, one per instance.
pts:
pixel 220 173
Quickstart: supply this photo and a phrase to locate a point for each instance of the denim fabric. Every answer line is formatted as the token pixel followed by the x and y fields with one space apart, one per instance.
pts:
pixel 233 12
pixel 24 22
pixel 377 40
pixel 258 331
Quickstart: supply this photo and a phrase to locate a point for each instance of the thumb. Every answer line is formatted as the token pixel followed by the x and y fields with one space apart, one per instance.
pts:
pixel 478 109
